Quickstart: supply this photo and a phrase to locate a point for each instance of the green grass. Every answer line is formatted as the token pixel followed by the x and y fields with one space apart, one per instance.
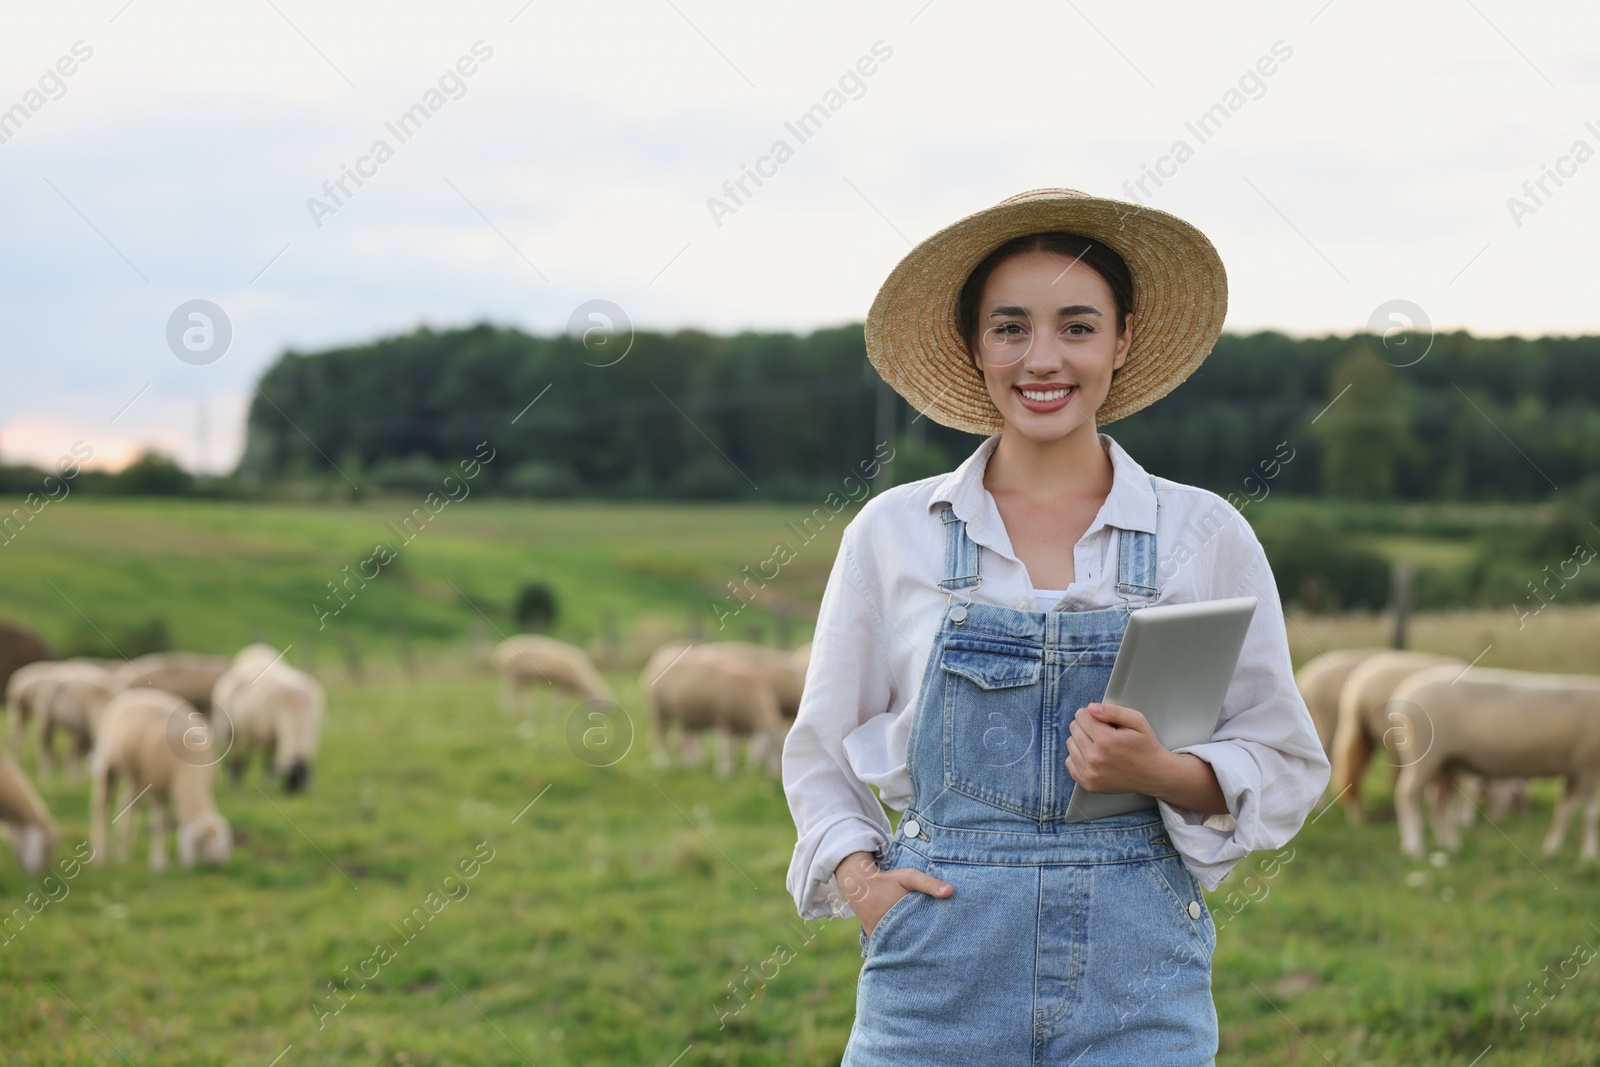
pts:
pixel 223 574
pixel 619 907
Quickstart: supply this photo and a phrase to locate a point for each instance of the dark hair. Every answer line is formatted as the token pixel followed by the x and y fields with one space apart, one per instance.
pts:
pixel 1100 258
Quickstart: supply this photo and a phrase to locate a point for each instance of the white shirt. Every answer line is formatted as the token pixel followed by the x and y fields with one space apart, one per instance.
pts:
pixel 881 609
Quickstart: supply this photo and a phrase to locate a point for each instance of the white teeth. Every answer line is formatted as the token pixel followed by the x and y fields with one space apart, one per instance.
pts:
pixel 1053 394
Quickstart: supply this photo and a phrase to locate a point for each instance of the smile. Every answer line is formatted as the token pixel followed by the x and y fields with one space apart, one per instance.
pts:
pixel 1045 400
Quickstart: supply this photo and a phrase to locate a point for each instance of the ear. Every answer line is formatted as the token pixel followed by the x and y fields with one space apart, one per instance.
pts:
pixel 1124 342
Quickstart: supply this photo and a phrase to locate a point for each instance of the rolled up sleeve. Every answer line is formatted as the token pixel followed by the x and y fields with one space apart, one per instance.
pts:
pixel 1265 751
pixel 835 812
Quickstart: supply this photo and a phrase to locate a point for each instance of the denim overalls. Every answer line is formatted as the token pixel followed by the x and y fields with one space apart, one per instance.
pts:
pixel 1084 943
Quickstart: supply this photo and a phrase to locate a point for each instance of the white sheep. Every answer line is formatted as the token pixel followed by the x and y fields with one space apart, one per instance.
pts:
pixel 70 699
pixel 32 831
pixel 541 663
pixel 1498 723
pixel 26 685
pixel 695 688
pixel 1367 722
pixel 188 674
pixel 261 704
pixel 157 747
pixel 785 670
pixel 1320 682
pixel 21 693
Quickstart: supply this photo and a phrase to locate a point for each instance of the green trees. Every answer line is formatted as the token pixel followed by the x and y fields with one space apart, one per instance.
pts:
pixel 785 416
pixel 1364 431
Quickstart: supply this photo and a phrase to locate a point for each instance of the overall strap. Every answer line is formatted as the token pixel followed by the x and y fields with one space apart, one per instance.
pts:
pixel 960 554
pixel 1136 560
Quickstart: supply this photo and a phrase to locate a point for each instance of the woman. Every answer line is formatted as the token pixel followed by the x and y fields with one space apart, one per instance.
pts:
pixel 994 931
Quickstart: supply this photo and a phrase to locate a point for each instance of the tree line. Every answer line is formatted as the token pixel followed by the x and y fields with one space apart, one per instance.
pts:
pixel 786 416
pixel 782 415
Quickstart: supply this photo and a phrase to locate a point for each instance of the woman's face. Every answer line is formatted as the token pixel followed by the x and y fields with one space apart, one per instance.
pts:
pixel 1048 343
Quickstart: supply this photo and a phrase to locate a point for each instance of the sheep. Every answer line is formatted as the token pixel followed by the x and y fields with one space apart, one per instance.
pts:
pixel 1499 723
pixel 261 704
pixel 1365 719
pixel 785 670
pixel 70 698
pixel 700 687
pixel 33 832
pixel 533 660
pixel 777 664
pixel 21 693
pixel 1321 680
pixel 157 744
pixel 188 674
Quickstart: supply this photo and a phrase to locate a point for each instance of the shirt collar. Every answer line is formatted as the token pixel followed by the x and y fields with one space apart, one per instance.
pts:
pixel 1131 504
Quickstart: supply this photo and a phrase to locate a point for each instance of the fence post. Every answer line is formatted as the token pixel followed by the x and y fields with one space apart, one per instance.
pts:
pixel 1400 586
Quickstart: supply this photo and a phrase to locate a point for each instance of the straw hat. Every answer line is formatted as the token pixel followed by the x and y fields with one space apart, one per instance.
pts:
pixel 1180 295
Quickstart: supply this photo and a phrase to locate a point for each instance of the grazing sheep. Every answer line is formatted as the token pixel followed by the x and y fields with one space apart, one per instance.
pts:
pixel 156 745
pixel 777 664
pixel 20 646
pixel 21 694
pixel 33 832
pixel 27 687
pixel 1321 680
pixel 700 687
pixel 70 699
pixel 261 704
pixel 1499 724
pixel 785 670
pixel 188 674
pixel 533 660
pixel 1366 720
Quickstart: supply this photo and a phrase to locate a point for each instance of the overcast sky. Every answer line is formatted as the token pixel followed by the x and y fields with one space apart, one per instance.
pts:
pixel 1377 161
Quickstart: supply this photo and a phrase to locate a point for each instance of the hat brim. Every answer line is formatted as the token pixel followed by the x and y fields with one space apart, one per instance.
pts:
pixel 1180 297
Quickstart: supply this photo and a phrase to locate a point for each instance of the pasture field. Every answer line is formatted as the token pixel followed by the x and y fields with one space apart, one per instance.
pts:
pixel 614 907
pixel 611 916
pixel 223 573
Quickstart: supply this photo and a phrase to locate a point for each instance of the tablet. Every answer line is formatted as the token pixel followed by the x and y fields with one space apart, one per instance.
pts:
pixel 1175 665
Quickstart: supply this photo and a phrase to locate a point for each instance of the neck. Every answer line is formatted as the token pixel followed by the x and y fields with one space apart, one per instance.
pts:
pixel 1050 471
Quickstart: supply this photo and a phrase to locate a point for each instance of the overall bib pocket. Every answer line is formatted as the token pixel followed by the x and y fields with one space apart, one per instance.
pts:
pixel 992 705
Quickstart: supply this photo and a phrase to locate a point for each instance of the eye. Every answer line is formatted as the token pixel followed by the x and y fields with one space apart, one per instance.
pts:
pixel 1008 329
pixel 1079 329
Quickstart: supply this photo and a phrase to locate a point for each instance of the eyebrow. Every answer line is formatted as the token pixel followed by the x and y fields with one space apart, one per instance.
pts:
pixel 1065 312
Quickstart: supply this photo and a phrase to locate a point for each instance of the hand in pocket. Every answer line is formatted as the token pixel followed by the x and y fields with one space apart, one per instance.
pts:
pixel 872 891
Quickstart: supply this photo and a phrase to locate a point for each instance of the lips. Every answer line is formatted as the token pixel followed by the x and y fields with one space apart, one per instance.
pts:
pixel 1052 398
